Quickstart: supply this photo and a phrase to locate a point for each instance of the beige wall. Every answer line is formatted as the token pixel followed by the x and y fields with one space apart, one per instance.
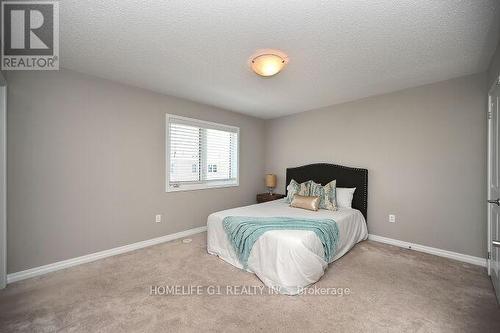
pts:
pixel 425 149
pixel 86 163
pixel 3 216
pixel 86 167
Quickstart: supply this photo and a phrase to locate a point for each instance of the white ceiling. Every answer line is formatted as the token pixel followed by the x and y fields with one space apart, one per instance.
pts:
pixel 338 50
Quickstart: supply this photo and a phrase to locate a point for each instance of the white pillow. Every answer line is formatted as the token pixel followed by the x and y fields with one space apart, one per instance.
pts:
pixel 344 197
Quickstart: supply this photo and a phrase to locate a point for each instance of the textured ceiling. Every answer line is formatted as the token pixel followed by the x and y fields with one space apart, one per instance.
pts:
pixel 338 50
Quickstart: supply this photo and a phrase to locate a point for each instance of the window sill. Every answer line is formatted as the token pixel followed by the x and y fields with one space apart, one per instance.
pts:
pixel 194 187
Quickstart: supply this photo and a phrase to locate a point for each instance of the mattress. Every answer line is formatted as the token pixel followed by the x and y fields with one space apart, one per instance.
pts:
pixel 286 260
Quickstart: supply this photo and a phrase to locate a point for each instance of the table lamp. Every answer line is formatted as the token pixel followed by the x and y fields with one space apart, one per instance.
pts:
pixel 270 183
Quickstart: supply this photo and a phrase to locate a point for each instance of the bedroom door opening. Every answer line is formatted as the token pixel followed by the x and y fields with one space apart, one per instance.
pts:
pixel 493 188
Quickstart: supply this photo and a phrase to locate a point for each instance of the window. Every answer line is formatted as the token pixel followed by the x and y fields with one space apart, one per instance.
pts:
pixel 200 154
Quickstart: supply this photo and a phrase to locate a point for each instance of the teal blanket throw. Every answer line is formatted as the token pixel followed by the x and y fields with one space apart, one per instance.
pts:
pixel 243 232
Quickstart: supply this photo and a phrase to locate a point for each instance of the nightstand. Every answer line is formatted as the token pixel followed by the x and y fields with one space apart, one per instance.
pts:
pixel 265 197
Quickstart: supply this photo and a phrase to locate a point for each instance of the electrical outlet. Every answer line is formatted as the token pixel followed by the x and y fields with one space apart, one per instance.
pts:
pixel 392 218
pixel 158 218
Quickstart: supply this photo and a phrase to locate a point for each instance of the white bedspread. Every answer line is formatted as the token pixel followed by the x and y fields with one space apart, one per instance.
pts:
pixel 286 259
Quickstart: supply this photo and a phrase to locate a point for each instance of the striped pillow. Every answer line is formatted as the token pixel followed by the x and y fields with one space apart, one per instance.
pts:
pixel 296 188
pixel 327 194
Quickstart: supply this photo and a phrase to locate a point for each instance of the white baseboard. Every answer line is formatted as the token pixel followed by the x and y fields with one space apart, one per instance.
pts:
pixel 431 250
pixel 36 271
pixel 13 277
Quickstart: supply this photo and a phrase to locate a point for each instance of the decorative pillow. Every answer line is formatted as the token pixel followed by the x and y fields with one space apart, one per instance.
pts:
pixel 327 194
pixel 296 188
pixel 305 202
pixel 344 197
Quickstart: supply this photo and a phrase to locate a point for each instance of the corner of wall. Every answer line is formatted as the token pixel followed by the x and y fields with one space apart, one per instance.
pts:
pixel 493 70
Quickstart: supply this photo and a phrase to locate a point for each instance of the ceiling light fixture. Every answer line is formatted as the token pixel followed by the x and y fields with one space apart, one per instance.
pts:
pixel 268 64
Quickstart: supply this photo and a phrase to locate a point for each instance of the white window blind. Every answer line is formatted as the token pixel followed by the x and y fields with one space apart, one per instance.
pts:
pixel 200 154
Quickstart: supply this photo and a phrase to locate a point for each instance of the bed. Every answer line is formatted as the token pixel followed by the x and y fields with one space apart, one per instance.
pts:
pixel 289 260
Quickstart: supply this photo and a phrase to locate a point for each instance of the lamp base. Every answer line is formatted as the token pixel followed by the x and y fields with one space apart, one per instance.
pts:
pixel 270 190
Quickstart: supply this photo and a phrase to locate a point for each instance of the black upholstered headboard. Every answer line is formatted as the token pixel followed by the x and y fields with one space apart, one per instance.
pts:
pixel 323 173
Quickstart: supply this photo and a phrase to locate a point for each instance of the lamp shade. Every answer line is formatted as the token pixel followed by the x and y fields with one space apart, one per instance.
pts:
pixel 271 180
pixel 268 64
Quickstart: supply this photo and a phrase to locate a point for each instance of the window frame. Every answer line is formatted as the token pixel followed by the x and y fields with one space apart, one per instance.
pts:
pixel 204 184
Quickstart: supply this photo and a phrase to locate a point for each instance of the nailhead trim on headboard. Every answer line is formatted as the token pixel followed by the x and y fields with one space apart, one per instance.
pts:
pixel 346 177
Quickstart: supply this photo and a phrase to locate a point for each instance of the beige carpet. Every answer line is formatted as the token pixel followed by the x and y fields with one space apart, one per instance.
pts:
pixel 392 290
